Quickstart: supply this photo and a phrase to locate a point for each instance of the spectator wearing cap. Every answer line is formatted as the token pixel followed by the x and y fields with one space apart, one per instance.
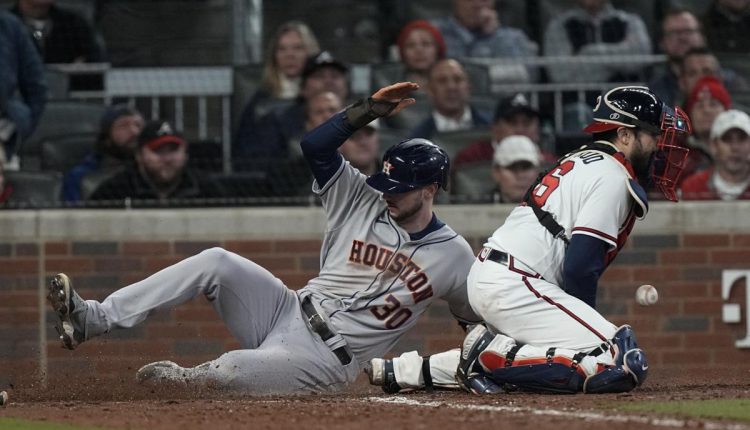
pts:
pixel 114 149
pixel 515 166
pixel 420 46
pixel 362 149
pixel 726 23
pixel 285 60
pixel 160 173
pixel 278 130
pixel 729 178
pixel 514 115
pixel 595 28
pixel 707 100
pixel 474 30
pixel 448 90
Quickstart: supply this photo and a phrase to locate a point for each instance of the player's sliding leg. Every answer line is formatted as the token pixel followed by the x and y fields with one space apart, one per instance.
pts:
pixel 290 360
pixel 244 295
pixel 410 371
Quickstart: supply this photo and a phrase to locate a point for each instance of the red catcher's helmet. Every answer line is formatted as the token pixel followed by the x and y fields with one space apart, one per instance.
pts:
pixel 638 107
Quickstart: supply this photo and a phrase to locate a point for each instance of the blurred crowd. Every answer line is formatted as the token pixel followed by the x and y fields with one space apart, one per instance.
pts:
pixel 499 141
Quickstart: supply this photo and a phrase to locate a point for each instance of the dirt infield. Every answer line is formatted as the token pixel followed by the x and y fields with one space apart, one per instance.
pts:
pixel 126 405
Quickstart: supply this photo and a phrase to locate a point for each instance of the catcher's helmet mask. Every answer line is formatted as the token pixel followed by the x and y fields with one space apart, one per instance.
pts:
pixel 409 165
pixel 639 108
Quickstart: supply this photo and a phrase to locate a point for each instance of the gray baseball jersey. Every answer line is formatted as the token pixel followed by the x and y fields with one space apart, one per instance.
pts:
pixel 375 281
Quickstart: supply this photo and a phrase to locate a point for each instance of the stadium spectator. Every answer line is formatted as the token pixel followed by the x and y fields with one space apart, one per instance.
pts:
pixel 726 25
pixel 729 178
pixel 320 107
pixel 61 35
pixel 114 149
pixel 160 172
pixel 278 129
pixel 6 189
pixel 515 166
pixel 680 32
pixel 474 30
pixel 596 28
pixel 23 91
pixel 362 149
pixel 285 59
pixel 448 90
pixel 513 116
pixel 420 46
pixel 707 100
pixel 700 62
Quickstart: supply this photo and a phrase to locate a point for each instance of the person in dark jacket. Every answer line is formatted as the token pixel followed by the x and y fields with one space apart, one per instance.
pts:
pixel 160 172
pixel 23 92
pixel 114 148
pixel 61 35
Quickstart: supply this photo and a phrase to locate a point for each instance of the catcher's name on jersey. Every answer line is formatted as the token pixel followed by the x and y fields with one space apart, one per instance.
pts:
pixel 382 258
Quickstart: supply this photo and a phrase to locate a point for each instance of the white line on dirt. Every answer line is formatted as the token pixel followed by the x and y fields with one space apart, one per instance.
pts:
pixel 584 415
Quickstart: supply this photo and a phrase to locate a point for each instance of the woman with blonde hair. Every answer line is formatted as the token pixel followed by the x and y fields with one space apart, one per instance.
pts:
pixel 286 54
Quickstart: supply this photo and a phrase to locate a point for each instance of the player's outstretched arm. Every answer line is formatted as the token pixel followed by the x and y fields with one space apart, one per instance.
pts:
pixel 387 101
pixel 320 145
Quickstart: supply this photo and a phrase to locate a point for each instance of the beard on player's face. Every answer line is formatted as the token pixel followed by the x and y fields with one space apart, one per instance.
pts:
pixel 641 159
pixel 402 207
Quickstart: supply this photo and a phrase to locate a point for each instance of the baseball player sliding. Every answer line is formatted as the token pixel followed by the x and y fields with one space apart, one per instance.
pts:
pixel 382 264
pixel 534 282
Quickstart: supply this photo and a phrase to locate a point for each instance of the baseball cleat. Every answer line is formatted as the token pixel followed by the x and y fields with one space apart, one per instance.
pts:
pixel 380 372
pixel 66 302
pixel 162 372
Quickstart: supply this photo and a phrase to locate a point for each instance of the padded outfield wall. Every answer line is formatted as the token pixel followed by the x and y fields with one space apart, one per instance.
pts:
pixel 696 254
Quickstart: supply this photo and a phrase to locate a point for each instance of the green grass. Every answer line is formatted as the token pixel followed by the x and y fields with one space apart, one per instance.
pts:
pixel 732 409
pixel 16 424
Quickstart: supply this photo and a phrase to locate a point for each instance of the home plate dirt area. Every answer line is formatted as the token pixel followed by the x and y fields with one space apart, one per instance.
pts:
pixel 126 405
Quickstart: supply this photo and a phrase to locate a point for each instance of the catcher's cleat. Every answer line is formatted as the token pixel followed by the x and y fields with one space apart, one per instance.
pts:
pixel 380 372
pixel 68 307
pixel 161 372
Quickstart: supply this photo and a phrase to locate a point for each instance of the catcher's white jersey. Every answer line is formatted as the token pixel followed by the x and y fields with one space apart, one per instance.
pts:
pixel 589 193
pixel 375 281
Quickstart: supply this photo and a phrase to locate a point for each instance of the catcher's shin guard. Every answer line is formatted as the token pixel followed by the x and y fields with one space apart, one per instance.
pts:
pixel 630 369
pixel 550 377
pixel 620 379
pixel 468 377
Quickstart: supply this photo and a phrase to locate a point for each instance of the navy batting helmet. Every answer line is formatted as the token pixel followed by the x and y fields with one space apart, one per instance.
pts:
pixel 409 165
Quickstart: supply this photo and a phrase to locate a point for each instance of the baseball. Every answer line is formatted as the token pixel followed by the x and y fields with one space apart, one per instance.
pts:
pixel 646 295
pixel 3 398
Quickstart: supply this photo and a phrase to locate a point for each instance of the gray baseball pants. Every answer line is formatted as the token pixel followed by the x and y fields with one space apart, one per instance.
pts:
pixel 280 353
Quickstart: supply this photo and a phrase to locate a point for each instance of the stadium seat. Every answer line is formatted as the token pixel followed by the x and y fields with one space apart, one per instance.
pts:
pixel 454 141
pixel 471 183
pixel 91 182
pixel 35 189
pixel 58 84
pixel 206 155
pixel 60 118
pixel 64 152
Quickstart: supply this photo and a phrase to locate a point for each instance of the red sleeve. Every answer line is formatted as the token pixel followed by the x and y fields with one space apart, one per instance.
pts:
pixel 695 186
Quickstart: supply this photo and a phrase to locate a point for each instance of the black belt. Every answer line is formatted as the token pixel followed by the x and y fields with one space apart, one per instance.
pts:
pixel 497 256
pixel 320 327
